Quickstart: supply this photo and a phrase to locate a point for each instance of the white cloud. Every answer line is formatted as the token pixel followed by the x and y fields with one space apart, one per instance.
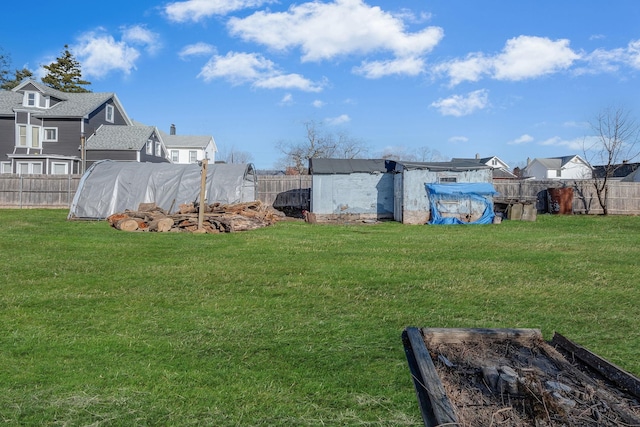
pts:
pixel 287 99
pixel 333 121
pixel 527 57
pixel 572 144
pixel 610 61
pixel 196 10
pixel 287 81
pixel 472 68
pixel 318 104
pixel 458 105
pixel 196 49
pixel 457 139
pixel 101 54
pixel 523 57
pixel 239 68
pixel 410 66
pixel 139 35
pixel 324 31
pixel 522 139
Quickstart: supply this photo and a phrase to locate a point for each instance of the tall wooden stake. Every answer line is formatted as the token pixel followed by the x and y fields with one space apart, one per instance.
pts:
pixel 203 185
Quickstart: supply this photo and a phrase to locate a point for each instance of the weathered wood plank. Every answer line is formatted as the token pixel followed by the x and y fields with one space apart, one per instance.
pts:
pixel 436 407
pixel 607 369
pixel 434 336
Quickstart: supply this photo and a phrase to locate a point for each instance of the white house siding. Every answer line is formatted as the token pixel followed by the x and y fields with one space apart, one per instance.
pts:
pixel 414 197
pixel 361 195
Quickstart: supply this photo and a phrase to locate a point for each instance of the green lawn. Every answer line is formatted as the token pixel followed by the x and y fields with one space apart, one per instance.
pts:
pixel 294 324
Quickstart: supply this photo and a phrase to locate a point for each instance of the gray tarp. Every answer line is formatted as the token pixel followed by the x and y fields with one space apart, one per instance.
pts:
pixel 108 187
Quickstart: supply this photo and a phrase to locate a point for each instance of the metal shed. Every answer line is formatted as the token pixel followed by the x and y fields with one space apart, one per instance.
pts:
pixel 412 202
pixel 351 189
pixel 108 187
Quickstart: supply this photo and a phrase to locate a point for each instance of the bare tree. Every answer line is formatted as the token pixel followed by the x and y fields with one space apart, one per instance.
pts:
pixel 319 144
pixel 233 155
pixel 614 143
pixel 420 154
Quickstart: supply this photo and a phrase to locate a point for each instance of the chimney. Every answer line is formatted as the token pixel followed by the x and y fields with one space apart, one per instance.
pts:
pixel 477 156
pixel 172 130
pixel 528 160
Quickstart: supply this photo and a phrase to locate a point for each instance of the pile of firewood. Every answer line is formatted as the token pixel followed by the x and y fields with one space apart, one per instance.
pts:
pixel 216 218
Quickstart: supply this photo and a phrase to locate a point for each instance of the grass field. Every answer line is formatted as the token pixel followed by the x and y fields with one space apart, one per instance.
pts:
pixel 294 324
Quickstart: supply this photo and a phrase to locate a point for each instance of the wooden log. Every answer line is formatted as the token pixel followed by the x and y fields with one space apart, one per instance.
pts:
pixel 161 225
pixel 113 219
pixel 127 224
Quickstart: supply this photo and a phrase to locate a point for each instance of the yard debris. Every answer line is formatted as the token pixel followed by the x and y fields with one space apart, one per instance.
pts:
pixel 217 218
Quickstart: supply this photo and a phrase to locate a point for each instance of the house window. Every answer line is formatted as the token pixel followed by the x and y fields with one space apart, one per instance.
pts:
pixel 22 136
pixel 5 167
pixel 149 147
pixel 193 156
pixel 109 113
pixel 446 179
pixel 27 168
pixel 59 168
pixel 50 134
pixel 494 162
pixel 28 139
pixel 158 149
pixel 175 156
pixel 35 137
pixel 558 173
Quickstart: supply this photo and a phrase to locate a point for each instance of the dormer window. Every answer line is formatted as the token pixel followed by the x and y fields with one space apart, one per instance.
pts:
pixel 109 113
pixel 31 99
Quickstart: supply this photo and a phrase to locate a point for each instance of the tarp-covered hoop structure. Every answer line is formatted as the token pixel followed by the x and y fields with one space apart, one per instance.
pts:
pixel 453 201
pixel 108 186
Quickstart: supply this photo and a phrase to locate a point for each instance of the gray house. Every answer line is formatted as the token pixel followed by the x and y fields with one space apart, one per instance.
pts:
pixel 384 189
pixel 42 129
pixel 136 143
pixel 46 131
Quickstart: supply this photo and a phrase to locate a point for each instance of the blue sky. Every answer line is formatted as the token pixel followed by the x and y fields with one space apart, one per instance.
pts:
pixel 515 79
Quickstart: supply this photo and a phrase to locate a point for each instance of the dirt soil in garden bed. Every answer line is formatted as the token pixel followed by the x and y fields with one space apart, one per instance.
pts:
pixel 505 383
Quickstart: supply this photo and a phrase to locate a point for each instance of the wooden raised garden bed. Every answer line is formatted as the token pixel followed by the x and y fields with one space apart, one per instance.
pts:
pixel 512 377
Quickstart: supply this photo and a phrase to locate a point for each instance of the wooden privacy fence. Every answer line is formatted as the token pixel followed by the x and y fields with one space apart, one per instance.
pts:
pixel 57 191
pixel 285 191
pixel 623 198
pixel 37 191
pixel 294 192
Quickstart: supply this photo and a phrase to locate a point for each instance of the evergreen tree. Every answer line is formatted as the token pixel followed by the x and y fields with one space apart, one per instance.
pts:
pixel 19 76
pixel 6 82
pixel 64 74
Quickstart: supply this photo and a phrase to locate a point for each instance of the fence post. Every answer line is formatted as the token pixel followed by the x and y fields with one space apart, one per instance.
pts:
pixel 20 193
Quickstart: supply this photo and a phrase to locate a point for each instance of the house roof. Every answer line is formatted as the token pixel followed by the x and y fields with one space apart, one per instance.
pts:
pixel 120 137
pixel 347 166
pixel 186 141
pixel 556 162
pixel 70 105
pixel 619 171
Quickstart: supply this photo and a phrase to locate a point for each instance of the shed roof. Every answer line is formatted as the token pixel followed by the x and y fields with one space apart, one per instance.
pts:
pixel 453 165
pixel 347 166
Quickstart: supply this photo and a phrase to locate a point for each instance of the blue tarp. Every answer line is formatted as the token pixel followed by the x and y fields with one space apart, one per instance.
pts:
pixel 468 198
